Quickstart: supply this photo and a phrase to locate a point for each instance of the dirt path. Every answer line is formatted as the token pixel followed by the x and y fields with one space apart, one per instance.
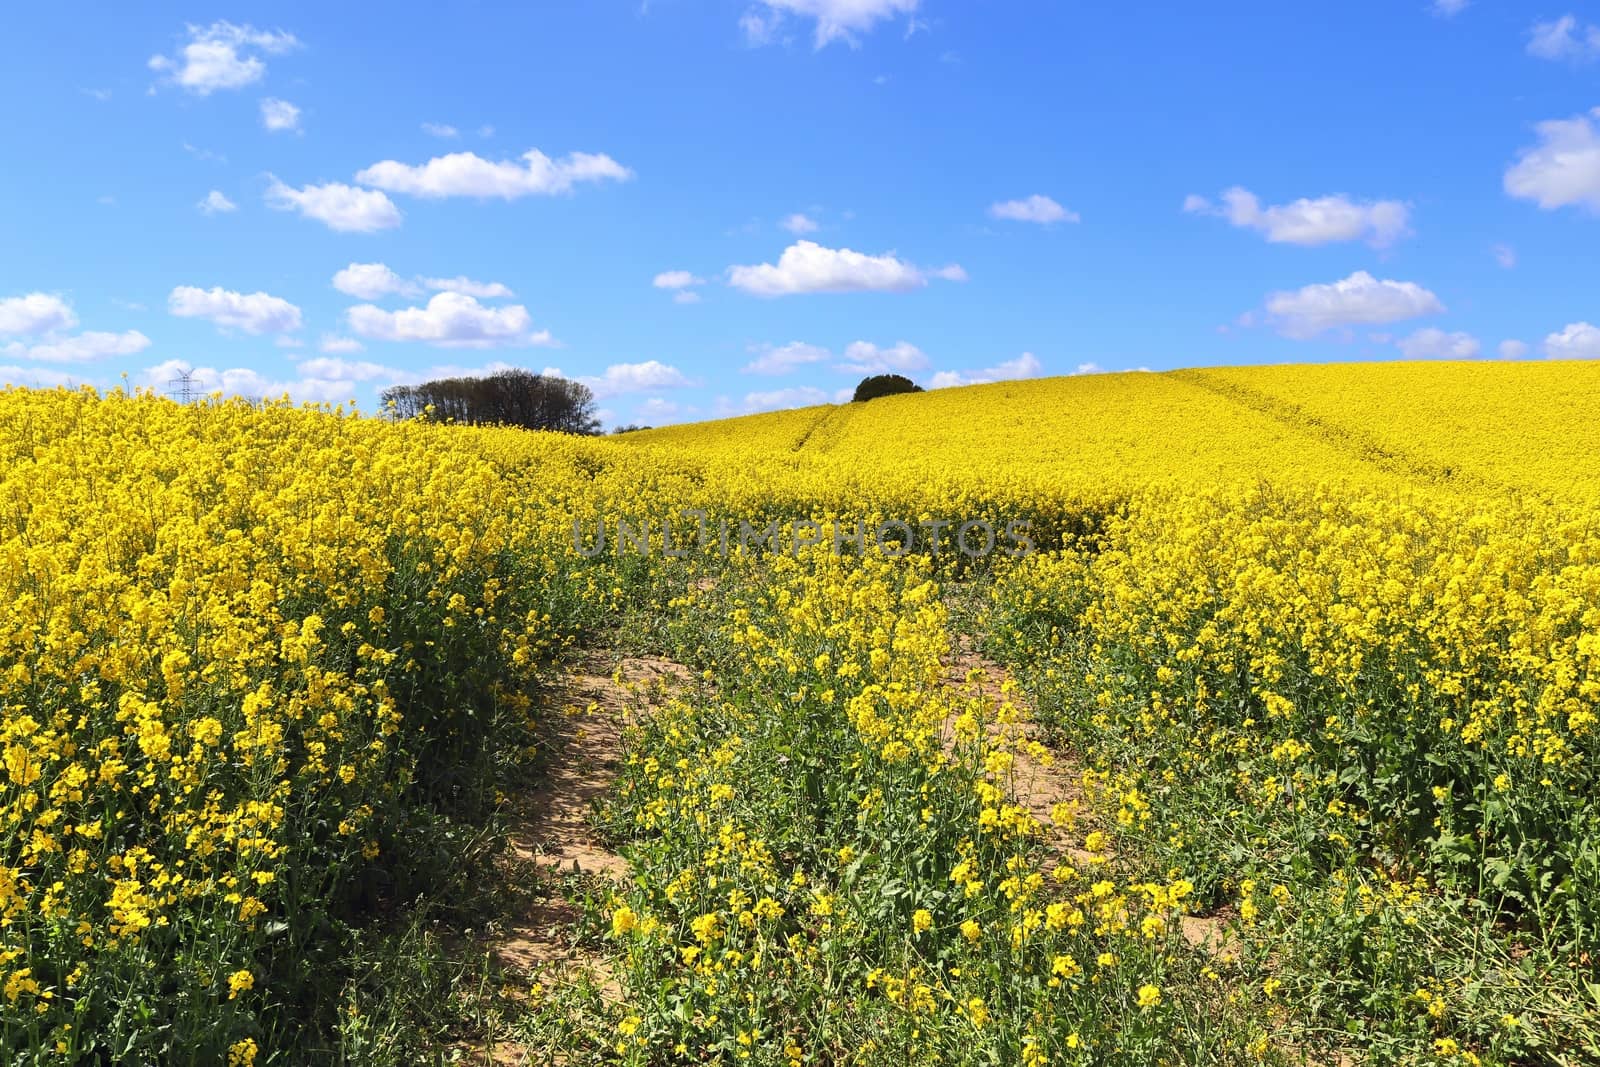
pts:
pixel 1042 778
pixel 554 854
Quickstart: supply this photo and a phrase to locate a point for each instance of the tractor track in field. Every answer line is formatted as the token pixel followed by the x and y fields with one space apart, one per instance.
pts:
pixel 553 850
pixel 1041 778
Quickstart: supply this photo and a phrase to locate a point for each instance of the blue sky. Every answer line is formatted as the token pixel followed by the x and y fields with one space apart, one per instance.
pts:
pixel 704 208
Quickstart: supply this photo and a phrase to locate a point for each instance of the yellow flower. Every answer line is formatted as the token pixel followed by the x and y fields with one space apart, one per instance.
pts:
pixel 240 982
pixel 921 921
pixel 1149 995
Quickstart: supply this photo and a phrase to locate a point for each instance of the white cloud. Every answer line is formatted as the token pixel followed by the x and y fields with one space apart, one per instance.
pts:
pixel 657 410
pixel 1359 299
pixel 759 28
pixel 469 174
pixel 1563 169
pixel 439 129
pixel 1026 365
pixel 1036 208
pixel 1448 8
pixel 784 358
pixel 681 283
pixel 864 357
pixel 798 396
pixel 1512 349
pixel 346 370
pixel 215 202
pixel 254 313
pixel 1433 343
pixel 246 382
pixel 45 319
pixel 635 378
pixel 204 153
pixel 450 320
pixel 1577 340
pixel 285 341
pixel 837 20
pixel 469 287
pixel 1564 38
pixel 36 377
pixel 222 56
pixel 372 281
pixel 1310 222
pixel 339 207
pixel 35 313
pixel 81 348
pixel 335 345
pixel 807 267
pixel 279 116
pixel 799 223
pixel 1505 255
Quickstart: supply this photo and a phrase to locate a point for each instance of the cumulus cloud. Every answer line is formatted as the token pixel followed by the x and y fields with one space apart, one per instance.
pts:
pixel 335 345
pixel 35 313
pixel 340 207
pixel 836 20
pixel 80 348
pixel 1325 220
pixel 1563 169
pixel 1433 343
pixel 797 396
pixel 222 56
pixel 1026 365
pixel 1577 340
pixel 279 116
pixel 781 359
pixel 622 378
pixel 1036 208
pixel 1512 349
pixel 1359 299
pixel 864 357
pixel 1505 255
pixel 657 410
pixel 439 129
pixel 216 203
pixel 255 313
pixel 250 383
pixel 44 319
pixel 469 174
pixel 1564 38
pixel 36 377
pixel 450 320
pixel 346 370
pixel 807 267
pixel 682 285
pixel 372 281
pixel 1448 8
pixel 798 223
pixel 469 287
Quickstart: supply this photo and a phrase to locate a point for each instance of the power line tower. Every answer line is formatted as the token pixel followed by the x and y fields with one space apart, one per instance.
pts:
pixel 185 387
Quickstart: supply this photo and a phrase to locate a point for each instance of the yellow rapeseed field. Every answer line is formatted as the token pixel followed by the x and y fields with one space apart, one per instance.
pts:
pixel 1315 651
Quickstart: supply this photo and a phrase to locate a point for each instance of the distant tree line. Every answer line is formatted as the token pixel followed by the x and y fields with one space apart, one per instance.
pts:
pixel 884 385
pixel 507 398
